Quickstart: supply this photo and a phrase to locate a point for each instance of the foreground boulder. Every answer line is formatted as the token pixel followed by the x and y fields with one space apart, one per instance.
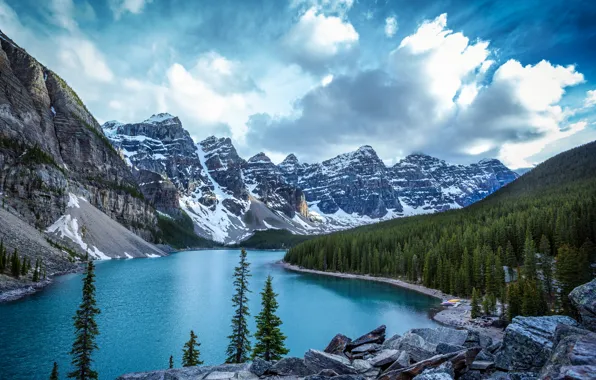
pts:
pixel 422 344
pixel 290 367
pixel 528 342
pixel 259 366
pixel 385 358
pixel 443 335
pixel 459 361
pixel 375 336
pixel 220 372
pixel 443 372
pixel 574 355
pixel 415 345
pixel 338 344
pixel 584 299
pixel 317 361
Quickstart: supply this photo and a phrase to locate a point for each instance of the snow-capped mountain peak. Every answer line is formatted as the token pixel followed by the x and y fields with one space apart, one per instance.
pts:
pixel 260 158
pixel 161 118
pixel 229 197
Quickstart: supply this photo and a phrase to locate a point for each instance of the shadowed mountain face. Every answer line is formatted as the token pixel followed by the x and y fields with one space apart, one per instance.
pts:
pixel 226 196
pixel 229 197
pixel 51 145
pixel 359 184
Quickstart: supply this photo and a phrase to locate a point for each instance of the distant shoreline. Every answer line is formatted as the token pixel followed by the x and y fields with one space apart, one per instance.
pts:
pixel 457 317
pixel 391 281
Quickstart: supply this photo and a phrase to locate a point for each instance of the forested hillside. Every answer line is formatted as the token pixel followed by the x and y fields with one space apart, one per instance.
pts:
pixel 541 226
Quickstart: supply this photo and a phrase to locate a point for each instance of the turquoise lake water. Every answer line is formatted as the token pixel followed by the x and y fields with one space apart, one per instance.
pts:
pixel 149 307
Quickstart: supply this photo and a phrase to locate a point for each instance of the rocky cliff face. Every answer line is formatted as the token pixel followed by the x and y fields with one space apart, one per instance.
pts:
pixel 352 183
pixel 266 181
pixel 229 197
pixel 51 145
pixel 356 188
pixel 428 184
pixel 226 196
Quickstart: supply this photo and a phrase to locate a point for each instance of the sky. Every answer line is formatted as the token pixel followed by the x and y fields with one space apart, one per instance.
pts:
pixel 459 80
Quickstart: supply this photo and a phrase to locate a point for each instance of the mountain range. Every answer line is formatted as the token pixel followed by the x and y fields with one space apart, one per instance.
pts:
pixel 117 190
pixel 229 197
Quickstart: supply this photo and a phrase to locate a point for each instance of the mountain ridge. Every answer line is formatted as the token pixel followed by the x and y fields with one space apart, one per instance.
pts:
pixel 231 197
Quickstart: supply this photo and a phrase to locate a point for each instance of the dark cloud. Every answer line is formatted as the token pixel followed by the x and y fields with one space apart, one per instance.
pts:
pixel 414 105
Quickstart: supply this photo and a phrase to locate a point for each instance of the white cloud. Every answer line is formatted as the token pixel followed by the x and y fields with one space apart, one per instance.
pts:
pixel 222 74
pixel 390 26
pixel 119 7
pixel 521 109
pixel 326 80
pixel 62 11
pixel 76 57
pixel 318 38
pixel 537 86
pixel 440 61
pixel 435 96
pixel 334 6
pixel 80 55
pixel 590 100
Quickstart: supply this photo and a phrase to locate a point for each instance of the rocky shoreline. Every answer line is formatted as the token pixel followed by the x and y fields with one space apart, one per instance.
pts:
pixel 21 290
pixel 550 347
pixel 458 317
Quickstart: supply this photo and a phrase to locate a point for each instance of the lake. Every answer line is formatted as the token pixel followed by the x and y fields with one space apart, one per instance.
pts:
pixel 149 307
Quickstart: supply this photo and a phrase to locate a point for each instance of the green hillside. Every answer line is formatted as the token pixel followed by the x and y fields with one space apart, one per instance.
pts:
pixel 544 223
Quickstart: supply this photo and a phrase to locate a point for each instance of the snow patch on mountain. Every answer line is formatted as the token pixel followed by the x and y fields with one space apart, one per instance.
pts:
pixel 228 198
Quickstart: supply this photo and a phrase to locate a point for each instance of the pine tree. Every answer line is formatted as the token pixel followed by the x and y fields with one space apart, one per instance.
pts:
pixel 171 364
pixel 503 299
pixel 191 353
pixel 54 375
pixel 15 264
pixel 475 312
pixel 587 253
pixel 510 259
pixel 486 305
pixel 36 271
pixel 514 302
pixel 2 258
pixel 546 265
pixel 239 347
pixel 566 273
pixel 270 340
pixel 86 329
pixel 529 258
pixel 499 276
pixel 24 266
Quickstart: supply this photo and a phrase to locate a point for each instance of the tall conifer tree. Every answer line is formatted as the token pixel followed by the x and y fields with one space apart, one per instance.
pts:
pixel 86 330
pixel 190 353
pixel 270 340
pixel 54 375
pixel 239 347
pixel 475 312
pixel 15 265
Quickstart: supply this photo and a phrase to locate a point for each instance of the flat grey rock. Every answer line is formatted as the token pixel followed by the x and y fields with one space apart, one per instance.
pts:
pixel 370 347
pixel 317 360
pixel 385 357
pixel 482 365
pixel 290 367
pixel 337 345
pixel 584 299
pixel 259 366
pixel 528 342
